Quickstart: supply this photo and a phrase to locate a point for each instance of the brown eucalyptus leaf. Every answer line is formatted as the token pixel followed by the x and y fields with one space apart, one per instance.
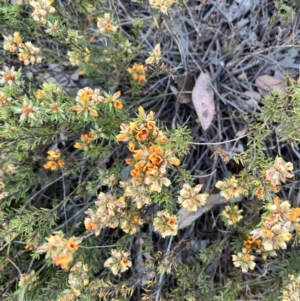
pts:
pixel 186 218
pixel 266 83
pixel 203 100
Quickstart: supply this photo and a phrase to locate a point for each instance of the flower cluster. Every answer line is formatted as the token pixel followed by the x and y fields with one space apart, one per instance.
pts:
pixel 48 90
pixel 141 130
pixel 231 215
pixel 131 222
pixel 275 230
pixel 138 73
pixel 165 223
pixel 112 212
pixel 27 111
pixel 277 224
pixel 105 24
pixel 279 172
pixel 28 53
pixel 229 188
pixel 154 56
pixel 244 260
pixel 190 198
pixel 107 214
pixel 12 43
pixel 252 243
pixel 260 189
pixel 85 141
pixel 161 5
pixel 113 100
pixel 291 290
pixel 87 100
pixel 78 280
pixel 137 191
pixel 149 165
pixel 9 76
pixel 118 262
pixel 150 160
pixel 54 160
pixel 59 249
pixel 30 280
pixel 42 8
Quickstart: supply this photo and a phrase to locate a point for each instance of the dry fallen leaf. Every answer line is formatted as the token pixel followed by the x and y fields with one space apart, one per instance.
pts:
pixel 185 84
pixel 266 83
pixel 203 100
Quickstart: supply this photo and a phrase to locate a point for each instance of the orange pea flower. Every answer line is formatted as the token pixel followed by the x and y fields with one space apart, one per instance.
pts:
pixel 78 145
pixel 63 259
pixel 294 214
pixel 89 225
pixel 73 243
pixel 135 173
pixel 50 165
pixel 142 134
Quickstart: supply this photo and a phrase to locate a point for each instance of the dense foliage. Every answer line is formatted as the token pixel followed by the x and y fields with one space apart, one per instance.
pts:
pixel 98 199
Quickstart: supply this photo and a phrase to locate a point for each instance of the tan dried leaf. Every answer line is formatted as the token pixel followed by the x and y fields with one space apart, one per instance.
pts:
pixel 266 83
pixel 203 100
